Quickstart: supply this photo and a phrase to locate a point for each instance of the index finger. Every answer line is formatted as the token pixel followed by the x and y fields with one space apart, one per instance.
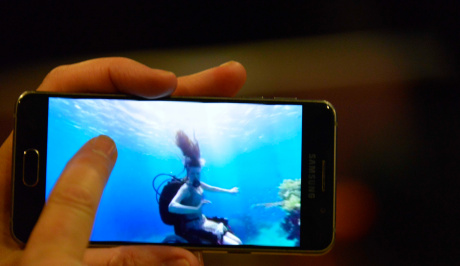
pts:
pixel 224 80
pixel 65 225
pixel 122 75
pixel 110 75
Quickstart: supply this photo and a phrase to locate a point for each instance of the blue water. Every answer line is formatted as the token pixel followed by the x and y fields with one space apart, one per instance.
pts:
pixel 253 147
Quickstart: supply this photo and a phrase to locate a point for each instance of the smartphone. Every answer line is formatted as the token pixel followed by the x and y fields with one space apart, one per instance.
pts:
pixel 266 167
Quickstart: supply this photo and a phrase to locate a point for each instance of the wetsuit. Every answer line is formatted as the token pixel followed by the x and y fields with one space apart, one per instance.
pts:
pixel 197 221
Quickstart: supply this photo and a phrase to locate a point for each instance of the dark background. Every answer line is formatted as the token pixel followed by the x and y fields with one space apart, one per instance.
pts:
pixel 37 30
pixel 398 145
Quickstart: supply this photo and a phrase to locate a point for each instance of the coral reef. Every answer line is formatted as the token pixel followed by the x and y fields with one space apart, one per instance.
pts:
pixel 289 191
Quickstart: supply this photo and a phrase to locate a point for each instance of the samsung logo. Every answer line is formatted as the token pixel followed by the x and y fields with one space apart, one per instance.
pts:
pixel 311 176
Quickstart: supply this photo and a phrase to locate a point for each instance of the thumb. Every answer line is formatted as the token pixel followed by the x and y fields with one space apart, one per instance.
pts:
pixel 65 225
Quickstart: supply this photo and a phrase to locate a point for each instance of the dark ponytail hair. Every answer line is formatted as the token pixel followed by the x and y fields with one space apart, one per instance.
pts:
pixel 190 149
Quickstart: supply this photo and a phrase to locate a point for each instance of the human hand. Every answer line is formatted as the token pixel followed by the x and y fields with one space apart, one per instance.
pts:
pixel 202 203
pixel 234 190
pixel 205 201
pixel 64 227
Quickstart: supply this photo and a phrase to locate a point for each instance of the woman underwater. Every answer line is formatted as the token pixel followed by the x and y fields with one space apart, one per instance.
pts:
pixel 189 201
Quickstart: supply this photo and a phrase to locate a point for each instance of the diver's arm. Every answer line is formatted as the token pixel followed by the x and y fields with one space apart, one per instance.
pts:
pixel 176 207
pixel 218 189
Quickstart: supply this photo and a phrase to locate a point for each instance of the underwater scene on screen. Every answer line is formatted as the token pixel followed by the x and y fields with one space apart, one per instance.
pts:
pixel 254 147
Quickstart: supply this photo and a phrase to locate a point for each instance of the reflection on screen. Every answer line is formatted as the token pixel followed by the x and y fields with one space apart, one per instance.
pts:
pixel 255 148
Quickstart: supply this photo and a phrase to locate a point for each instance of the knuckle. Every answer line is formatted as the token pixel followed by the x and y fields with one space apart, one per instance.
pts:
pixel 77 198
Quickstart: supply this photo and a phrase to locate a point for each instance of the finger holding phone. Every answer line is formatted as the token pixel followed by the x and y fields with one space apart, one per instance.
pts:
pixel 63 229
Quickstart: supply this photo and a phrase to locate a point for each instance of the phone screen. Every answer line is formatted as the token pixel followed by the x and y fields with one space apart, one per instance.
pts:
pixel 256 148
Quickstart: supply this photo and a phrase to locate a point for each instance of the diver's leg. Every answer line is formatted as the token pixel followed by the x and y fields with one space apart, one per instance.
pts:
pixel 215 228
pixel 231 238
pixel 229 241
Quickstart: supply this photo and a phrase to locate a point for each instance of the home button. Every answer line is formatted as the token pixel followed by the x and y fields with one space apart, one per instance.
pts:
pixel 30 167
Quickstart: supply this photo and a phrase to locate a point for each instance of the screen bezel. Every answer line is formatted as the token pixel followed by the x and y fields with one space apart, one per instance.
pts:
pixel 31 132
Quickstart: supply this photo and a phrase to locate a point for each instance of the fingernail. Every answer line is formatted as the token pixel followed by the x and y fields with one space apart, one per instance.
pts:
pixel 165 73
pixel 228 63
pixel 161 72
pixel 104 146
pixel 176 262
